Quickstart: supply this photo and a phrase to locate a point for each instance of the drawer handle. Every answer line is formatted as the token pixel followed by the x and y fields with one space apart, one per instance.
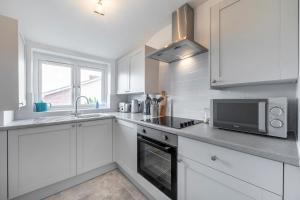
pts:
pixel 213 158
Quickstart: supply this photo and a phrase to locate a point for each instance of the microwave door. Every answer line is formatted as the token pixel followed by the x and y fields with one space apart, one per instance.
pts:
pixel 262 117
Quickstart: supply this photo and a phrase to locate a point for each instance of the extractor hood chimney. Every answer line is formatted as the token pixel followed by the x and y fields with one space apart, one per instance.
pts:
pixel 183 44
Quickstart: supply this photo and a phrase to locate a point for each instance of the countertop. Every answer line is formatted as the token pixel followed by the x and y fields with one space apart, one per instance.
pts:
pixel 282 150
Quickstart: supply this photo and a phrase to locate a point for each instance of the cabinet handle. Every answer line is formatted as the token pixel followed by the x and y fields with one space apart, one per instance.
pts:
pixel 80 125
pixel 214 158
pixel 214 81
pixel 73 126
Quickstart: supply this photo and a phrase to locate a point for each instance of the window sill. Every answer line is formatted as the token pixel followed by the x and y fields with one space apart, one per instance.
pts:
pixel 80 110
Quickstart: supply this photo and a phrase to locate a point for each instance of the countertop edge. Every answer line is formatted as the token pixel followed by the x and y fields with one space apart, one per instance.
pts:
pixel 295 161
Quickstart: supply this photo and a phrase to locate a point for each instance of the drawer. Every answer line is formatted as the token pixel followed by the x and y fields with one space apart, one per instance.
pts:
pixel 258 171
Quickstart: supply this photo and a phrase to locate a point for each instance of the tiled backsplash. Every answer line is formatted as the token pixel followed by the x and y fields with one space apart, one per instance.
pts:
pixel 187 82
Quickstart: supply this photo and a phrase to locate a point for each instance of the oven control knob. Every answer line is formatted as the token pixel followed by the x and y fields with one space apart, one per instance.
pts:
pixel 276 123
pixel 166 137
pixel 276 111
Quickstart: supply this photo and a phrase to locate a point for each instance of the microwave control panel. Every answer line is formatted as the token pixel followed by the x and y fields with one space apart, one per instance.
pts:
pixel 277 117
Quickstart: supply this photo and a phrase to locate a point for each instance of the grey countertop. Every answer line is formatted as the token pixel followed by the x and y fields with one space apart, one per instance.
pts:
pixel 282 150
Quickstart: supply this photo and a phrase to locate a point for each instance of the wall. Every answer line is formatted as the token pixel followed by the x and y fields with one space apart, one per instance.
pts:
pixel 27 111
pixel 187 81
pixel 298 92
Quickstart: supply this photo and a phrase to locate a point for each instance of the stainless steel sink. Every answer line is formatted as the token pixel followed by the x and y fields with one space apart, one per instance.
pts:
pixel 94 115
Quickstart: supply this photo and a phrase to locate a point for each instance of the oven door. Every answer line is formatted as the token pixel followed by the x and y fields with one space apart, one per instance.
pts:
pixel 157 163
pixel 246 115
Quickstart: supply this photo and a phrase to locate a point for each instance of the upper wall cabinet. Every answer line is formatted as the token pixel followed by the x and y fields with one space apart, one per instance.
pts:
pixel 254 42
pixel 137 74
pixel 12 65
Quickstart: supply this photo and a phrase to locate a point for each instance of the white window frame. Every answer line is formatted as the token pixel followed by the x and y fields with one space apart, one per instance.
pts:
pixel 76 64
pixel 39 93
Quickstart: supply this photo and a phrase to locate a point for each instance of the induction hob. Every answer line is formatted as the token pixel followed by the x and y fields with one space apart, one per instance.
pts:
pixel 173 122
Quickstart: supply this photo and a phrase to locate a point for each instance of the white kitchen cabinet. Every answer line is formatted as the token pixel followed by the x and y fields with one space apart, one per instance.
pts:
pixel 291 182
pixel 254 42
pixel 38 157
pixel 197 181
pixel 125 145
pixel 3 165
pixel 9 64
pixel 138 74
pixel 123 75
pixel 94 145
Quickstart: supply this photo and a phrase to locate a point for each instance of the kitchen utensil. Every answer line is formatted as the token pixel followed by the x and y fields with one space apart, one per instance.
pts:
pixel 147 104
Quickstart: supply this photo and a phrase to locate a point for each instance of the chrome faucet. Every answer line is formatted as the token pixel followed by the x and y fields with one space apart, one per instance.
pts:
pixel 76 103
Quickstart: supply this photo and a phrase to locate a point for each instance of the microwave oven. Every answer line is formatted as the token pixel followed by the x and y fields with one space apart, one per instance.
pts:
pixel 257 116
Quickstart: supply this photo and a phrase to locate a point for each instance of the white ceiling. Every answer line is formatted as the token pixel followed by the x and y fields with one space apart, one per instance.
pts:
pixel 71 24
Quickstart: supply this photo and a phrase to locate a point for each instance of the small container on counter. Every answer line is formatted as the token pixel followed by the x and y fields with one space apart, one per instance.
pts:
pixel 154 110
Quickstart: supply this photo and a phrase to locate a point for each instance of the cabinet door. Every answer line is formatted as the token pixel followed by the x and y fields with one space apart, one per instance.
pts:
pixel 3 165
pixel 9 64
pixel 123 76
pixel 22 72
pixel 137 72
pixel 39 157
pixel 125 145
pixel 197 181
pixel 291 182
pixel 94 145
pixel 254 41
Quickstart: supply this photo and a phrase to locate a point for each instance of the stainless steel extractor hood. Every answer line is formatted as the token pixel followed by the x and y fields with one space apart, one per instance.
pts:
pixel 183 44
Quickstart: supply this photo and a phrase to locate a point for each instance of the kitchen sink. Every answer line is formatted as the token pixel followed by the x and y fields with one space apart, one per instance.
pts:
pixel 94 115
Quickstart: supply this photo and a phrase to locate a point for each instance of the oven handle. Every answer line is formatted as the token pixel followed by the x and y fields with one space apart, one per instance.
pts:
pixel 163 148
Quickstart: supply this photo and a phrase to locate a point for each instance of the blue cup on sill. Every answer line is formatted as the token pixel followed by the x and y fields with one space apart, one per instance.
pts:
pixel 42 106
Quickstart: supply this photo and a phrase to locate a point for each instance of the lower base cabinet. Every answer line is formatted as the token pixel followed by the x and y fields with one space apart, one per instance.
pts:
pixel 125 145
pixel 291 182
pixel 94 145
pixel 38 157
pixel 197 181
pixel 3 165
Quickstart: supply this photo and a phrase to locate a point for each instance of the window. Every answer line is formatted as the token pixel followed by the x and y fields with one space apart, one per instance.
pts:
pixel 56 84
pixel 60 81
pixel 91 85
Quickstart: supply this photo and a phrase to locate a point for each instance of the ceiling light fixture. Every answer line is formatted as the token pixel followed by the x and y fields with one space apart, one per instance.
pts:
pixel 99 9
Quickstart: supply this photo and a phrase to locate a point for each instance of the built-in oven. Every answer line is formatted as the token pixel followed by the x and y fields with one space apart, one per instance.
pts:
pixel 157 159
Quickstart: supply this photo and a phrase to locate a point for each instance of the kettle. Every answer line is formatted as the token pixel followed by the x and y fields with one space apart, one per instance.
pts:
pixel 42 106
pixel 135 106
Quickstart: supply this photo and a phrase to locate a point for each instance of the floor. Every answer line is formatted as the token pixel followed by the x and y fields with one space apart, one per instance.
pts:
pixel 110 186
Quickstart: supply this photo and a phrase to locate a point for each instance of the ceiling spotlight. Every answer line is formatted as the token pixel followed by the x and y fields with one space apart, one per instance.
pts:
pixel 99 9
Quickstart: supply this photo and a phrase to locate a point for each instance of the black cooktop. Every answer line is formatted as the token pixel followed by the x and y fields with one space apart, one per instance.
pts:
pixel 173 122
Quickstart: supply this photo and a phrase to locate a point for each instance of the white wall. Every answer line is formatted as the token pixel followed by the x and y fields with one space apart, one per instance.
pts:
pixel 187 81
pixel 298 92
